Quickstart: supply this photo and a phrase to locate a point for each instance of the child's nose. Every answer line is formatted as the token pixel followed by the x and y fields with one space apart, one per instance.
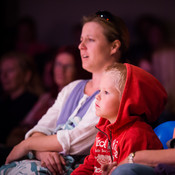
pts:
pixel 97 97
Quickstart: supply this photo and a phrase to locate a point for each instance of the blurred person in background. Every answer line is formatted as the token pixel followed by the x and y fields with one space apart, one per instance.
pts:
pixel 151 34
pixel 163 68
pixel 153 51
pixel 26 38
pixel 21 89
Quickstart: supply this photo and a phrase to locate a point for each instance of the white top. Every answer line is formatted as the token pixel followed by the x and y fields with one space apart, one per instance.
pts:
pixel 77 141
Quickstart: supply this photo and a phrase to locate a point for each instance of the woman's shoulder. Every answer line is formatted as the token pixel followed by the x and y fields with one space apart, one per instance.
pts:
pixel 73 84
pixel 66 91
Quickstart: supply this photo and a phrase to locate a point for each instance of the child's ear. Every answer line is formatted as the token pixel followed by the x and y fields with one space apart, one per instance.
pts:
pixel 115 46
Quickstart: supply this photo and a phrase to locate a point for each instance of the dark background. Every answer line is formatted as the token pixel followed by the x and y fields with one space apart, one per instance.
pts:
pixel 57 19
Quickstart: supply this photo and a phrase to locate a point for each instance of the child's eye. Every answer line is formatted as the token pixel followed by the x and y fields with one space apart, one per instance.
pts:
pixel 90 39
pixel 106 92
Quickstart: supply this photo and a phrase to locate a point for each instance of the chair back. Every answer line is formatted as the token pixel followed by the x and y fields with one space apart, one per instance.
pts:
pixel 165 131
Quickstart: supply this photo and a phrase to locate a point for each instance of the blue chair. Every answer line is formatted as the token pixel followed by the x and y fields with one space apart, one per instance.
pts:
pixel 165 131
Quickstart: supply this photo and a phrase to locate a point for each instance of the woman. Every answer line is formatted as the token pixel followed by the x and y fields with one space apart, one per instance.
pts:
pixel 104 39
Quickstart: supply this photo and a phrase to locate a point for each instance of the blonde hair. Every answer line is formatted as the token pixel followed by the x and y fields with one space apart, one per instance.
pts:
pixel 119 74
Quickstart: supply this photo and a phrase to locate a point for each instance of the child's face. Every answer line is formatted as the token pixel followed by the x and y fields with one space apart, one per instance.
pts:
pixel 107 101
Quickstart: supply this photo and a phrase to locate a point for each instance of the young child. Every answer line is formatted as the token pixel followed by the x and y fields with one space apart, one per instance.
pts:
pixel 129 97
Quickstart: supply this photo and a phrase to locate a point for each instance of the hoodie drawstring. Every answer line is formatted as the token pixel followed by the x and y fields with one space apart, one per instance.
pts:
pixel 109 142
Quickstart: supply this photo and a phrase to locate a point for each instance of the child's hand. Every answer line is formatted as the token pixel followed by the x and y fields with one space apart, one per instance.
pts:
pixel 115 166
pixel 123 162
pixel 108 167
pixel 17 152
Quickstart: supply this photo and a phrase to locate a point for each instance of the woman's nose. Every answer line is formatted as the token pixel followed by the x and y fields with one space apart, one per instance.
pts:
pixel 81 45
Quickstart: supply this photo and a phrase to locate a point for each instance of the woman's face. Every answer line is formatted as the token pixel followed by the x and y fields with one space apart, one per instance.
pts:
pixel 64 69
pixel 94 48
pixel 11 75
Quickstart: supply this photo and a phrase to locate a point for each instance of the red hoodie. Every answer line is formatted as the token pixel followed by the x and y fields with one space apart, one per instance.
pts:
pixel 143 100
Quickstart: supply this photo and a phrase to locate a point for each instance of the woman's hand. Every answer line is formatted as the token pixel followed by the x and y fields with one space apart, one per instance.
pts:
pixel 17 152
pixel 52 161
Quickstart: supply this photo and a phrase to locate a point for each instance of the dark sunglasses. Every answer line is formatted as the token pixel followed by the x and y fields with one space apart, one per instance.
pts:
pixel 105 15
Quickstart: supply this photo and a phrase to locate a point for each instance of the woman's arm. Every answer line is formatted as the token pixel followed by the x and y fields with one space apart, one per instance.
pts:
pixel 153 157
pixel 35 143
pixel 148 157
pixel 50 159
pixel 43 143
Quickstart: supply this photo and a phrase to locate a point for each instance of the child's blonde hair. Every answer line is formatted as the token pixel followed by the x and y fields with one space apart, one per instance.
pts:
pixel 119 74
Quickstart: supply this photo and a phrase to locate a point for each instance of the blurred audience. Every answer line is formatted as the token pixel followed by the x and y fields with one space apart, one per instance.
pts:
pixel 151 34
pixel 154 52
pixel 21 89
pixel 65 68
pixel 26 40
pixel 163 68
pixel 47 73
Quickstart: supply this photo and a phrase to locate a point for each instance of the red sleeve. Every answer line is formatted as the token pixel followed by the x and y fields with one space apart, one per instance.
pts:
pixel 87 168
pixel 136 139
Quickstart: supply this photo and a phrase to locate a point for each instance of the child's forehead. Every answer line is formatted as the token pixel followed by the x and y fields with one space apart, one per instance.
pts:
pixel 107 79
pixel 106 75
pixel 109 75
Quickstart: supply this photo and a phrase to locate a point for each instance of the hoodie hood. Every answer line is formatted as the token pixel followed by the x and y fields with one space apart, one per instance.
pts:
pixel 143 98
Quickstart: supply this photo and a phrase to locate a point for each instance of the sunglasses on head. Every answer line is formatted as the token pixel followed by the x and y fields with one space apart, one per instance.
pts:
pixel 105 15
pixel 109 17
